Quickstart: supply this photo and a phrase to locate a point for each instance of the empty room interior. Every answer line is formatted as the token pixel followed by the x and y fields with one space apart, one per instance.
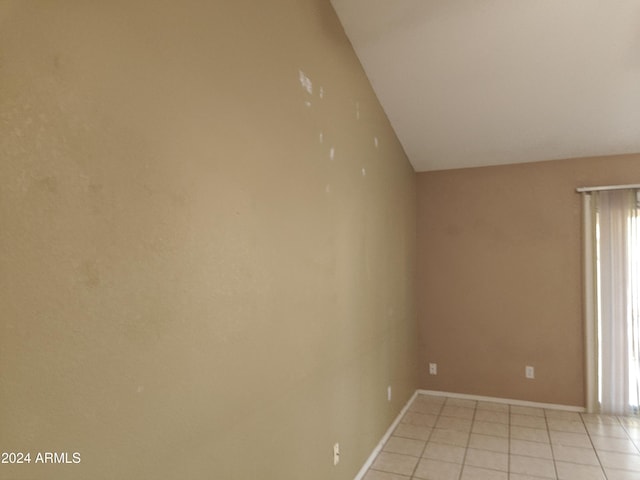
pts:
pixel 313 239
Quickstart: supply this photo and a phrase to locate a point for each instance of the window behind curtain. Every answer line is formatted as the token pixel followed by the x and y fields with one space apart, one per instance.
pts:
pixel 616 254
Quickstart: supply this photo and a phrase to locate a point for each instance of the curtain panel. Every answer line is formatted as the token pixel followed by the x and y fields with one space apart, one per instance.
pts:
pixel 612 278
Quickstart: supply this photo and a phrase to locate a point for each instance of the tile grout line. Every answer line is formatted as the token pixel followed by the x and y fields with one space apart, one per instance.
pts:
pixel 438 410
pixel 386 437
pixel 428 439
pixel 508 440
pixel 466 449
pixel 604 472
pixel 553 454
pixel 626 430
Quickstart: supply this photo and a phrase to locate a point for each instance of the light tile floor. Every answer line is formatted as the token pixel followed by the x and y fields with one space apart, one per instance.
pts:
pixel 442 438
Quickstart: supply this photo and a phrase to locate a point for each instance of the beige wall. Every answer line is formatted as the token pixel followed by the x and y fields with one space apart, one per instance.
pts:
pixel 500 276
pixel 190 286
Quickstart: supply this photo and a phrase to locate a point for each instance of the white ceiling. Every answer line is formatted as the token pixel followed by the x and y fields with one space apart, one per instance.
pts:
pixel 484 82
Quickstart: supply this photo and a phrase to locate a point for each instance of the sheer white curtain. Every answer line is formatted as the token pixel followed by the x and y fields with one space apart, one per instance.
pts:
pixel 613 258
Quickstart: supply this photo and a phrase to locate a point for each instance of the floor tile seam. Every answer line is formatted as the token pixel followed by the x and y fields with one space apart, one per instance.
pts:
pixel 556 477
pixel 542 429
pixel 531 456
pixel 515 424
pixel 591 436
pixel 417 424
pixel 604 450
pixel 387 471
pixel 560 445
pixel 413 472
pixel 553 455
pixel 619 453
pixel 453 416
pixel 509 440
pixel 626 430
pixel 378 469
pixel 396 453
pixel 559 460
pixel 528 415
pixel 441 461
pixel 533 476
pixel 623 453
pixel 410 438
pixel 400 453
pixel 573 426
pixel 593 446
pixel 489 450
pixel 566 431
pixel 449 429
pixel 466 449
pixel 485 468
pixel 532 441
pixel 454 427
pixel 424 449
pixel 618 470
pixel 429 399
pixel 492 422
pixel 484 409
pixel 587 416
pixel 613 438
pixel 529 426
pixel 417 410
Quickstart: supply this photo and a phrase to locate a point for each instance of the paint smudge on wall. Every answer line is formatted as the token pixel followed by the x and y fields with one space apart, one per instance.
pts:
pixel 332 153
pixel 364 171
pixel 321 93
pixel 307 104
pixel 327 189
pixel 306 82
pixel 49 184
pixel 375 142
pixel 321 137
pixel 357 110
pixel 89 273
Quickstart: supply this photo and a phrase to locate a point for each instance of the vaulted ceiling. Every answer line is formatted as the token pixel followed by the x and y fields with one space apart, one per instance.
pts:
pixel 485 82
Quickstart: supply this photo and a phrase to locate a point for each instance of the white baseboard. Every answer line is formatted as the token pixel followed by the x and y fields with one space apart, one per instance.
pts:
pixel 520 403
pixel 463 396
pixel 384 439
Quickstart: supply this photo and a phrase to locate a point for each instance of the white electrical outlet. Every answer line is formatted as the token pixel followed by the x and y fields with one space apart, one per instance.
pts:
pixel 389 393
pixel 433 369
pixel 529 372
pixel 336 453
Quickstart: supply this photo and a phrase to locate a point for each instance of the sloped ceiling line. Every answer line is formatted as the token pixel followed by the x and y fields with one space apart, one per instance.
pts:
pixel 468 83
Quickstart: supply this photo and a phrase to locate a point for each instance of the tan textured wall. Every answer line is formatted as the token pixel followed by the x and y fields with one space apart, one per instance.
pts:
pixel 500 283
pixel 191 284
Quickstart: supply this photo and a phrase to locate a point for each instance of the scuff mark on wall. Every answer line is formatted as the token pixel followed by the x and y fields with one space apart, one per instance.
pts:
pixel 375 142
pixel 89 273
pixel 49 183
pixel 332 153
pixel 306 82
